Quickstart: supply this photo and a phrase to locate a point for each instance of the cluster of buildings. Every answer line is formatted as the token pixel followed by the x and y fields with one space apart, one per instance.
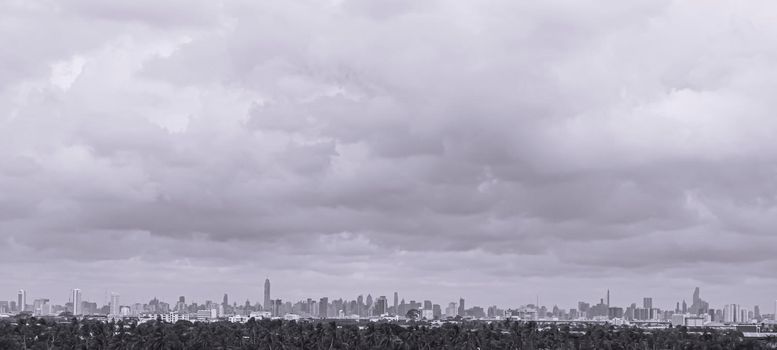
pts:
pixel 697 313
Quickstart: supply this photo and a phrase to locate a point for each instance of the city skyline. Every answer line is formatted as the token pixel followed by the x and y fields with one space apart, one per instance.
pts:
pixel 500 152
pixel 697 303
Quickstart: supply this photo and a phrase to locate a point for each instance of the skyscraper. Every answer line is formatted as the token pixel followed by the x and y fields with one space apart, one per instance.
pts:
pixel 76 298
pixel 698 306
pixel 267 303
pixel 225 302
pixel 608 298
pixel 381 306
pixel 115 307
pixel 396 303
pixel 21 300
pixel 323 306
pixel 461 307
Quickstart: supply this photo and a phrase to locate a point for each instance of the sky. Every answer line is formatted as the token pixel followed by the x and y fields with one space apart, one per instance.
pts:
pixel 495 150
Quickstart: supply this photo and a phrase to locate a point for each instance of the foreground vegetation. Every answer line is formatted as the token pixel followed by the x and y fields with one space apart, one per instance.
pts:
pixel 31 333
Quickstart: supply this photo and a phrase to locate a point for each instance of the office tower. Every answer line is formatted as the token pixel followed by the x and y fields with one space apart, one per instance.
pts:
pixel 115 307
pixel 427 304
pixel 381 306
pixel 369 300
pixel 731 313
pixel 461 307
pixel 76 298
pixel 685 307
pixel 360 305
pixel 583 306
pixel 698 306
pixel 277 307
pixel 323 305
pixel 267 295
pixel 225 301
pixel 677 308
pixel 450 311
pixel 436 311
pixel 647 303
pixel 21 300
pixel 396 303
pixel 39 307
pixel 757 312
pixel 608 298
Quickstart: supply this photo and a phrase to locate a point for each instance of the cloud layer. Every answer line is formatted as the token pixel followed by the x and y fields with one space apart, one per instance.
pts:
pixel 495 150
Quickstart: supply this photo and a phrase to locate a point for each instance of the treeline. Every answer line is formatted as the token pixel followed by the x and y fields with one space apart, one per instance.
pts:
pixel 32 333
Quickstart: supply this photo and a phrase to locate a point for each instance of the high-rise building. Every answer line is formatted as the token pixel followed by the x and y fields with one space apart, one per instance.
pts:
pixel 396 303
pixel 450 311
pixel 115 307
pixel 647 303
pixel 277 306
pixel 225 301
pixel 76 298
pixel 608 298
pixel 381 306
pixel 731 313
pixel 462 309
pixel 267 301
pixel 323 306
pixel 41 307
pixel 21 300
pixel 698 306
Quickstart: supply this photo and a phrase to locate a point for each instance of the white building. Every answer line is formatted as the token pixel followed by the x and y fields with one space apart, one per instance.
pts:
pixel 206 315
pixel 21 300
pixel 171 317
pixel 76 298
pixel 115 307
pixel 260 314
pixel 427 314
pixel 451 310
pixel 239 318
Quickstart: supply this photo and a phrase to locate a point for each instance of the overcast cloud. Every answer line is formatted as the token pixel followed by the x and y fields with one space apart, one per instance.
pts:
pixel 494 150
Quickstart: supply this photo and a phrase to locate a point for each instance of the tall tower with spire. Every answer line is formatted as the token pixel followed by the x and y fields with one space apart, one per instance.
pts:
pixel 266 305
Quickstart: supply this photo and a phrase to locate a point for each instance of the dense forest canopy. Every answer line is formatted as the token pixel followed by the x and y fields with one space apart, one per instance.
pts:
pixel 32 333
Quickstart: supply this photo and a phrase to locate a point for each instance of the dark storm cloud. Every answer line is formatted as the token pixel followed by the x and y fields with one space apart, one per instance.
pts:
pixel 457 144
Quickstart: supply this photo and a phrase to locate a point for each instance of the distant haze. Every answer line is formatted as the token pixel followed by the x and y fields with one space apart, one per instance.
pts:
pixel 498 151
